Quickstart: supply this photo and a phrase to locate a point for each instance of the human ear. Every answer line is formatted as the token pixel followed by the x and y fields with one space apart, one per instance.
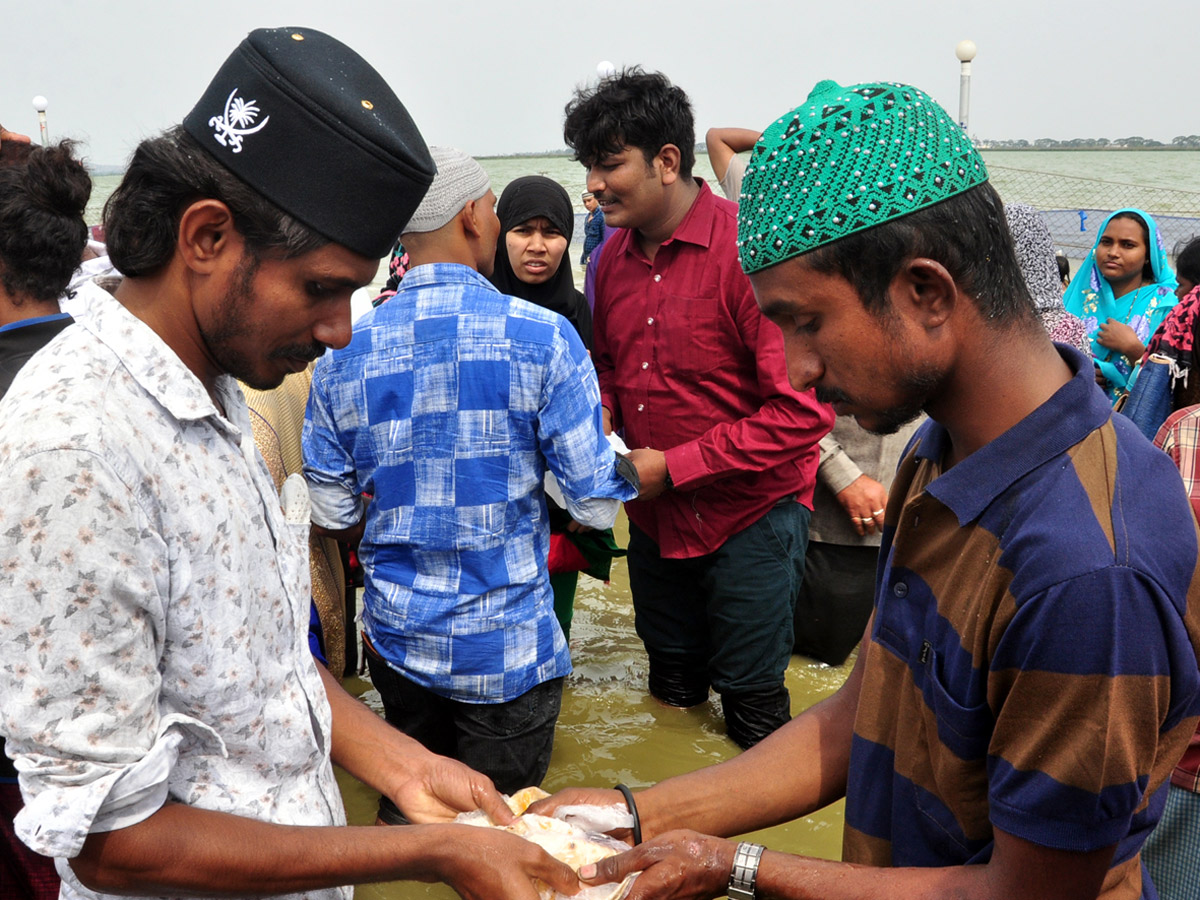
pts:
pixel 668 159
pixel 469 217
pixel 206 234
pixel 925 289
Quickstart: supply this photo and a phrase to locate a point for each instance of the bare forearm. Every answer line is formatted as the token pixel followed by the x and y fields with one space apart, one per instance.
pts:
pixel 1027 872
pixel 363 743
pixel 183 850
pixel 799 768
pixel 426 787
pixel 685 863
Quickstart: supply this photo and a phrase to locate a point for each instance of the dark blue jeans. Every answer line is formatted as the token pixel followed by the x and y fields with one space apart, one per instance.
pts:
pixel 509 742
pixel 723 619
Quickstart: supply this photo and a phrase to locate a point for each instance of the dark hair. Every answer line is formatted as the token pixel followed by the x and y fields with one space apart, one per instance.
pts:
pixel 1148 265
pixel 168 173
pixel 1187 260
pixel 1064 266
pixel 42 232
pixel 967 234
pixel 633 108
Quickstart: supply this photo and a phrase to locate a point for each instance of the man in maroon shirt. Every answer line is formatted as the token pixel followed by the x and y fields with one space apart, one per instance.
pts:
pixel 695 376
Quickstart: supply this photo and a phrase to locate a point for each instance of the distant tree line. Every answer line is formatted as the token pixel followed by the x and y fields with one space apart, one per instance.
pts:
pixel 1183 142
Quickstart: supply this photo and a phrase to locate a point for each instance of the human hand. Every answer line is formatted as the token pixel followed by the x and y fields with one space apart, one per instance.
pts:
pixel 489 864
pixel 606 420
pixel 678 865
pixel 582 797
pixel 864 500
pixel 1120 337
pixel 436 789
pixel 1100 379
pixel 576 528
pixel 14 136
pixel 652 471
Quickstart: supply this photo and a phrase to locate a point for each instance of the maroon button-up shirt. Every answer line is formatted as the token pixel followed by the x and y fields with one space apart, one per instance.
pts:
pixel 689 365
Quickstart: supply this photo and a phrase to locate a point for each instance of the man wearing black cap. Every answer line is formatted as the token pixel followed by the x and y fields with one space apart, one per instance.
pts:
pixel 170 727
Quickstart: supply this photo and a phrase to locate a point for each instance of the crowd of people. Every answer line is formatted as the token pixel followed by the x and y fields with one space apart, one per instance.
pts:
pixel 862 412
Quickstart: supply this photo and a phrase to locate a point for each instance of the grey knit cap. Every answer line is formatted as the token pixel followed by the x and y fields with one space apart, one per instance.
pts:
pixel 458 181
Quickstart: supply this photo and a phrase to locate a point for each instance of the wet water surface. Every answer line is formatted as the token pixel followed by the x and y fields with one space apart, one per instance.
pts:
pixel 610 730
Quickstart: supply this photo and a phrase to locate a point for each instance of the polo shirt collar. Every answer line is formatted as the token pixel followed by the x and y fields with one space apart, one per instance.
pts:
pixel 1076 409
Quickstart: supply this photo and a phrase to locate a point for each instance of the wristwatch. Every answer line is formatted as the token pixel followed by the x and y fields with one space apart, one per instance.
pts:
pixel 745 871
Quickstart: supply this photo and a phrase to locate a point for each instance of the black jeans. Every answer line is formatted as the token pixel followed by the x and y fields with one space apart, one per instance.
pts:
pixel 724 619
pixel 509 742
pixel 835 600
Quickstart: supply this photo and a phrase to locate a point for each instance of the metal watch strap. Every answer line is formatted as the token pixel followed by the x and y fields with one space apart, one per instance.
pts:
pixel 745 871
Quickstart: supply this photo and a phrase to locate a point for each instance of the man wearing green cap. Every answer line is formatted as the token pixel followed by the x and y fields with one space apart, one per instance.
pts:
pixel 1029 676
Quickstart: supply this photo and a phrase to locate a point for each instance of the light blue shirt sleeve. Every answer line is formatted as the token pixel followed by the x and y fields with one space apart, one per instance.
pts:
pixel 329 468
pixel 571 436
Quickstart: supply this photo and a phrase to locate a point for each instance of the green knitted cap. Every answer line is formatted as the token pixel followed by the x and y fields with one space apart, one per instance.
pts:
pixel 845 160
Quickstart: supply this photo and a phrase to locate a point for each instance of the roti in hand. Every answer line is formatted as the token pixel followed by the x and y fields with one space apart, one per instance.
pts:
pixel 565 842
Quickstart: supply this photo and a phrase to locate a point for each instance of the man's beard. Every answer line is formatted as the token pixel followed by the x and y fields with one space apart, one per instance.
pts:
pixel 917 387
pixel 235 320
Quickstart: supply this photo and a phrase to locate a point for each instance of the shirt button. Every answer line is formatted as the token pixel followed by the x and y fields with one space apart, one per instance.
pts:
pixel 658 278
pixel 650 321
pixel 645 365
pixel 641 406
pixel 900 589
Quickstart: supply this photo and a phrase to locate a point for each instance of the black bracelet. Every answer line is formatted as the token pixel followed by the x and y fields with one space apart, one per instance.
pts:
pixel 637 822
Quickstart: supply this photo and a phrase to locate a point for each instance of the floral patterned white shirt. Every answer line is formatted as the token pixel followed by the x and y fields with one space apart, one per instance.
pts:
pixel 156 602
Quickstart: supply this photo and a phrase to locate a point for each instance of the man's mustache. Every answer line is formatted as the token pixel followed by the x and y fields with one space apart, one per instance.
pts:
pixel 310 352
pixel 831 395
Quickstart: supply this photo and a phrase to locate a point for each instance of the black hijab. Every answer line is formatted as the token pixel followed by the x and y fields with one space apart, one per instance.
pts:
pixel 528 198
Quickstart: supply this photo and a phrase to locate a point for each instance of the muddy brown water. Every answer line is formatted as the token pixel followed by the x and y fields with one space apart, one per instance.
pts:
pixel 610 730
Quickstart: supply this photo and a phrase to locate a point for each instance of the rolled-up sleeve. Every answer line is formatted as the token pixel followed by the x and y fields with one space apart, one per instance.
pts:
pixel 329 466
pixel 84 576
pixel 571 436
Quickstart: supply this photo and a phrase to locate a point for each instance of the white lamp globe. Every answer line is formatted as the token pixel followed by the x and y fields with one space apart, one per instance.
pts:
pixel 604 68
pixel 965 51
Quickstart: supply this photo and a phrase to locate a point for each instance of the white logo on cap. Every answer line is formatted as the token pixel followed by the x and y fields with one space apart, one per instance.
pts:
pixel 234 125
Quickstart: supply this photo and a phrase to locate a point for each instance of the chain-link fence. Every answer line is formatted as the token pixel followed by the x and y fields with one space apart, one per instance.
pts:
pixel 1075 207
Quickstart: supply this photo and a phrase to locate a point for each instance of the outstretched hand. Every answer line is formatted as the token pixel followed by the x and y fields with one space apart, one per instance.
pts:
pixel 678 865
pixel 489 864
pixel 437 789
pixel 582 797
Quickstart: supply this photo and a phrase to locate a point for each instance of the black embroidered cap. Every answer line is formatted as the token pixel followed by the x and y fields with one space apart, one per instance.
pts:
pixel 310 125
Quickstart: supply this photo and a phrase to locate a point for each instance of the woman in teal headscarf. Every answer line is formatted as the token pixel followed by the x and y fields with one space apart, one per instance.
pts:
pixel 1122 292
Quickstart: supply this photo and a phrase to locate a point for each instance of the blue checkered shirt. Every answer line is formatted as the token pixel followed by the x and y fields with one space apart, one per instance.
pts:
pixel 448 406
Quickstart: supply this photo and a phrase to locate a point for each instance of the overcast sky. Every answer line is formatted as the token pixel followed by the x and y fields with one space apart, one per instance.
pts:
pixel 492 77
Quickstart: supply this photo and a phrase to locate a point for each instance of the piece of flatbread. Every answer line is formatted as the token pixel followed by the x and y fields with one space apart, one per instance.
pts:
pixel 565 842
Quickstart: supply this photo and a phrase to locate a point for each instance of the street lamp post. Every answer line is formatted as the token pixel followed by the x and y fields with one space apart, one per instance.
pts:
pixel 40 104
pixel 965 51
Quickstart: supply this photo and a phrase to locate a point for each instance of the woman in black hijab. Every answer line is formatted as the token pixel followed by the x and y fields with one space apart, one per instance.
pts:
pixel 536 223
